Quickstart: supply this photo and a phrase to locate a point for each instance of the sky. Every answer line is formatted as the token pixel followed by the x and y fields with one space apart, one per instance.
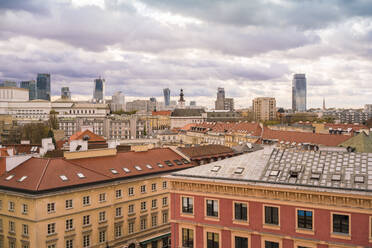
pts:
pixel 251 48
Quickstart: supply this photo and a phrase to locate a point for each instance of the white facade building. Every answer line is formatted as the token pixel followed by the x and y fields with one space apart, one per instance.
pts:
pixel 13 94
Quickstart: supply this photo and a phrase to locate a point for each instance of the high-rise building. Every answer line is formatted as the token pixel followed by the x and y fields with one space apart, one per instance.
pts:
pixel 299 93
pixel 65 93
pixel 31 86
pixel 118 101
pixel 43 86
pixel 223 103
pixel 99 90
pixel 166 92
pixel 264 108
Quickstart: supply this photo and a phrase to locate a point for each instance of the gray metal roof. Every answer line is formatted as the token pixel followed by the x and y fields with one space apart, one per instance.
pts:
pixel 322 170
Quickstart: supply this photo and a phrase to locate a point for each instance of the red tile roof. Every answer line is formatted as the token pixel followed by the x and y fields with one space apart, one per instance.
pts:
pixel 304 137
pixel 164 112
pixel 25 148
pixel 4 152
pixel 44 174
pixel 206 151
pixel 92 136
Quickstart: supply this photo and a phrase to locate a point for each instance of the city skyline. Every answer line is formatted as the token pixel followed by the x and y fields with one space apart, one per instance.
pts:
pixel 257 58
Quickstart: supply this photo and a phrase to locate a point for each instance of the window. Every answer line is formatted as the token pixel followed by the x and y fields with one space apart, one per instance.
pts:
pixel 11 206
pixel 118 212
pixel 102 236
pixel 131 208
pixel 271 215
pixel 143 206
pixel 213 240
pixel 164 184
pixel 143 188
pixel 212 208
pixel 241 242
pixel 143 224
pixel 187 205
pixel 102 197
pixel 187 238
pixel 51 207
pixel 241 212
pixel 86 241
pixel 24 208
pixel 69 243
pixel 305 219
pixel 1 225
pixel 153 187
pixel 154 203
pixel 130 227
pixel 118 230
pixel 165 201
pixel 165 217
pixel 25 229
pixel 52 246
pixel 102 216
pixel 68 203
pixel 69 224
pixel 131 191
pixel 341 223
pixel 11 226
pixel 1 204
pixel 270 244
pixel 154 220
pixel 86 200
pixel 86 220
pixel 118 193
pixel 51 228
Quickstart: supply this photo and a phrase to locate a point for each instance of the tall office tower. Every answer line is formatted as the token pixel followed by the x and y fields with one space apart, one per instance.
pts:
pixel 43 86
pixel 166 92
pixel 223 103
pixel 99 90
pixel 65 93
pixel 264 108
pixel 299 93
pixel 118 101
pixel 31 86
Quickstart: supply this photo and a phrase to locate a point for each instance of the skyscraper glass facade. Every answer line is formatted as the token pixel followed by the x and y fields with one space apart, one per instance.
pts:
pixel 299 93
pixel 43 86
pixel 31 86
pixel 99 88
pixel 166 92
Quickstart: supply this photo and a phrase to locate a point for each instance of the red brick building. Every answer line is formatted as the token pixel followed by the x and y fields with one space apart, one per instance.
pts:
pixel 275 198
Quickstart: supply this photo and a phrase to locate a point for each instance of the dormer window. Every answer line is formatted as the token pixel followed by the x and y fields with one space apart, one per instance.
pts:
pixel 63 177
pixel 80 175
pixel 9 177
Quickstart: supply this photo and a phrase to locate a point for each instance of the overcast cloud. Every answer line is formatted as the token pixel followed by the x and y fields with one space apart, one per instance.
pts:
pixel 252 48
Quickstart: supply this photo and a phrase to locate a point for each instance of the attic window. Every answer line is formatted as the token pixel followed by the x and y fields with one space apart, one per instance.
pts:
pixel 177 162
pixel 239 170
pixel 160 165
pixel 149 166
pixel 126 169
pixel 33 149
pixel 216 168
pixel 22 179
pixel 185 161
pixel 169 163
pixel 9 177
pixel 315 176
pixel 138 168
pixel 114 171
pixel 63 177
pixel 336 177
pixel 80 175
pixel 274 173
pixel 359 179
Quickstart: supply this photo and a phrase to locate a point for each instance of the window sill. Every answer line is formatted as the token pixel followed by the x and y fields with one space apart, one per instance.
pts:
pixel 70 230
pixel 12 233
pixel 305 231
pixel 51 234
pixel 102 221
pixel 240 222
pixel 87 225
pixel 119 217
pixel 131 214
pixel 143 210
pixel 271 226
pixel 26 236
pixel 212 218
pixel 187 215
pixel 86 205
pixel 346 236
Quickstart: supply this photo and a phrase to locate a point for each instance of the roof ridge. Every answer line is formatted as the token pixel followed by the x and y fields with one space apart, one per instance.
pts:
pixel 42 175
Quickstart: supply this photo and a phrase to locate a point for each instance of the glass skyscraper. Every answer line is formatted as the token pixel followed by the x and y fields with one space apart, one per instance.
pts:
pixel 31 86
pixel 99 89
pixel 65 93
pixel 299 93
pixel 43 86
pixel 166 92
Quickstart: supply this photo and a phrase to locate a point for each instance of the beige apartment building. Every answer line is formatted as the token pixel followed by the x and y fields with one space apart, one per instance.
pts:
pixel 89 199
pixel 264 108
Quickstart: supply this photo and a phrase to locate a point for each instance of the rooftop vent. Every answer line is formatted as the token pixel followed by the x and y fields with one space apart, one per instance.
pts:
pixel 22 179
pixel 149 166
pixel 160 165
pixel 216 168
pixel 114 171
pixel 9 177
pixel 239 170
pixel 126 169
pixel 80 175
pixel 63 177
pixel 138 168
